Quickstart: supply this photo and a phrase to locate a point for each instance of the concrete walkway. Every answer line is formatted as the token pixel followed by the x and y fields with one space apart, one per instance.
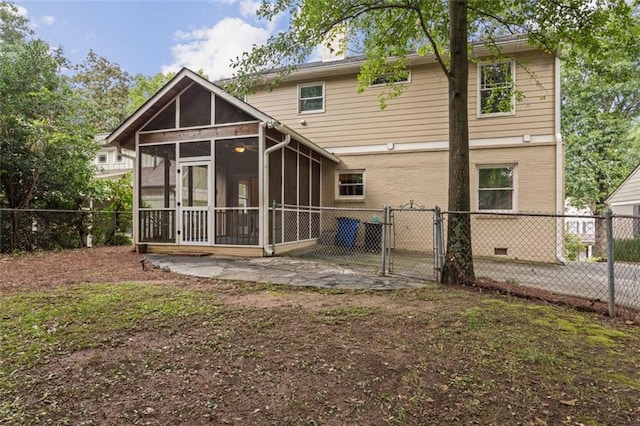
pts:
pixel 282 270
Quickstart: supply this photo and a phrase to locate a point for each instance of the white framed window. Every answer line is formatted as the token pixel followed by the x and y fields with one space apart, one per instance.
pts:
pixel 118 158
pixel 497 188
pixel 103 158
pixel 496 83
pixel 350 185
pixel 311 97
pixel 381 80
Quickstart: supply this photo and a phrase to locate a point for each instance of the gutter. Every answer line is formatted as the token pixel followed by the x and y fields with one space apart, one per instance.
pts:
pixel 271 124
pixel 119 151
pixel 559 165
pixel 351 65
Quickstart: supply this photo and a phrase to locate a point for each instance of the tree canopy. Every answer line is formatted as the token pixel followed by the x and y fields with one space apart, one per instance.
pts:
pixel 104 87
pixel 600 111
pixel 46 150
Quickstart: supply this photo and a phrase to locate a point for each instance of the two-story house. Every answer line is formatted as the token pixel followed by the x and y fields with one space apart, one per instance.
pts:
pixel 210 165
pixel 400 153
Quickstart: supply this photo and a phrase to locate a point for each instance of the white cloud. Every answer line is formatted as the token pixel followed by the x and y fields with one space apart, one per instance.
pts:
pixel 48 20
pixel 247 8
pixel 212 49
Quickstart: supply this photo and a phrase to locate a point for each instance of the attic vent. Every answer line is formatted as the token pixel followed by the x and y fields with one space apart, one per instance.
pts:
pixel 499 251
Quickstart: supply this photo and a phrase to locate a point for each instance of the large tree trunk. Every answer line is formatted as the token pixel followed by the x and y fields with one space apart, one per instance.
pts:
pixel 458 267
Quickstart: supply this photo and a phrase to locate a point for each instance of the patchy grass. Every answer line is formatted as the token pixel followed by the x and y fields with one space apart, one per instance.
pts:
pixel 167 354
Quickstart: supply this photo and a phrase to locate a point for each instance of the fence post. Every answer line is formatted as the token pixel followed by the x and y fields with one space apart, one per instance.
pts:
pixel 610 262
pixel 438 250
pixel 384 239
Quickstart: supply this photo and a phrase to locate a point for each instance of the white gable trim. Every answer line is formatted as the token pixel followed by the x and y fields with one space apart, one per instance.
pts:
pixel 187 73
pixel 611 198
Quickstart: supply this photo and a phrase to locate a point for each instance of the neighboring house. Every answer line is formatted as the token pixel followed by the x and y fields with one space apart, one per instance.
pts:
pixel 210 165
pixel 394 155
pixel 109 162
pixel 625 201
pixel 580 222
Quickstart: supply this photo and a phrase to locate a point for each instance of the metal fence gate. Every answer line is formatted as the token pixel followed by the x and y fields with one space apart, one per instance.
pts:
pixel 414 241
pixel 403 240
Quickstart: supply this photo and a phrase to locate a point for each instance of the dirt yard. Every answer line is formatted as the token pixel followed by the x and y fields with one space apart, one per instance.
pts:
pixel 100 341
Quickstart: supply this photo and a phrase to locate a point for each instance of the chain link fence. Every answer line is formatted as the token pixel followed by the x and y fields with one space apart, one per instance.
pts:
pixel 541 251
pixel 343 236
pixel 598 260
pixel 32 230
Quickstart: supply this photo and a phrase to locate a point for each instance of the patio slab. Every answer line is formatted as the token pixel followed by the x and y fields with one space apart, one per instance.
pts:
pixel 283 270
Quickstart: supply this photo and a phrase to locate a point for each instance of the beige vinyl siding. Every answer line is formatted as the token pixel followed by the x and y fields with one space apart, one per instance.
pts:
pixel 420 114
pixel 625 210
pixel 624 227
pixel 628 192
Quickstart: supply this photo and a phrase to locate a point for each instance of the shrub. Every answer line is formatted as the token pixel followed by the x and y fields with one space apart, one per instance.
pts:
pixel 626 249
pixel 573 245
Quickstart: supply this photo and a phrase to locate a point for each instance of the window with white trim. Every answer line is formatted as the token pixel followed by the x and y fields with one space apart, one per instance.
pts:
pixel 496 89
pixel 102 158
pixel 119 158
pixel 497 188
pixel 311 97
pixel 350 184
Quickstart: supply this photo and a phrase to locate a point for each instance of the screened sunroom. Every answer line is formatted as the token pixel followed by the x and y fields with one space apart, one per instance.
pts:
pixel 208 166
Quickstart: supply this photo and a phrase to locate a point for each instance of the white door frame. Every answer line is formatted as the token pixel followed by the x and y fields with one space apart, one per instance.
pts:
pixel 201 214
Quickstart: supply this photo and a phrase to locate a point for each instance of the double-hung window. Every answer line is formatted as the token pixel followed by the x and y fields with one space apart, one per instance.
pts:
pixel 496 89
pixel 350 185
pixel 102 158
pixel 311 98
pixel 497 188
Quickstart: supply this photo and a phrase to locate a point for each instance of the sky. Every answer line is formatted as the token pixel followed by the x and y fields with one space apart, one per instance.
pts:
pixel 151 36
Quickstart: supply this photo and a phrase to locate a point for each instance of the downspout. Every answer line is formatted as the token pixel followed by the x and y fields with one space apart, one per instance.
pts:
pixel 559 164
pixel 265 219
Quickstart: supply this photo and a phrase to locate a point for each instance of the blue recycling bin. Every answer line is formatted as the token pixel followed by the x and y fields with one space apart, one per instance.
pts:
pixel 347 231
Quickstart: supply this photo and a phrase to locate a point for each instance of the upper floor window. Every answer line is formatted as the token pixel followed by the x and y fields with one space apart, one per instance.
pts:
pixel 496 188
pixel 102 158
pixel 391 79
pixel 311 97
pixel 119 158
pixel 350 184
pixel 496 89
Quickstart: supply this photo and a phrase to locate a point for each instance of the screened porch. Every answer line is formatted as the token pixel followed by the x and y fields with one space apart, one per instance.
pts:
pixel 189 196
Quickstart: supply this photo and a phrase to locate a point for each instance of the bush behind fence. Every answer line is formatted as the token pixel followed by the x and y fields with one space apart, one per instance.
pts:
pixel 31 229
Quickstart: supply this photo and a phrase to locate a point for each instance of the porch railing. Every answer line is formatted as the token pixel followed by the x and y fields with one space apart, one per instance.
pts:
pixel 157 226
pixel 237 226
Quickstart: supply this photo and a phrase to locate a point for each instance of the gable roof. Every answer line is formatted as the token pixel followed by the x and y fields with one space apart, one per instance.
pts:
pixel 352 65
pixel 628 192
pixel 124 134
